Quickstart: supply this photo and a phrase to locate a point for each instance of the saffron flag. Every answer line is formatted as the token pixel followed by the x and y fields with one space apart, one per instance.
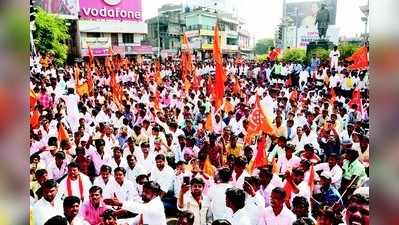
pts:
pixel 274 54
pixel 157 101
pixel 34 120
pixel 186 59
pixel 218 89
pixel 62 133
pixel 209 86
pixel 32 100
pixel 196 81
pixel 356 99
pixel 258 121
pixel 228 107
pixel 91 56
pixel 360 59
pixel 260 158
pixel 83 89
pixel 333 96
pixel 311 178
pixel 187 85
pixel 158 78
pixel 236 86
pixel 209 122
pixel 288 191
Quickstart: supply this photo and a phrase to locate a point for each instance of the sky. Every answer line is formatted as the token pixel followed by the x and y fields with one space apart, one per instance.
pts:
pixel 263 16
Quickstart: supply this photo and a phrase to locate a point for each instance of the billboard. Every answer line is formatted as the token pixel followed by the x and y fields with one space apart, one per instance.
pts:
pixel 64 8
pixel 122 10
pixel 303 13
pixel 307 35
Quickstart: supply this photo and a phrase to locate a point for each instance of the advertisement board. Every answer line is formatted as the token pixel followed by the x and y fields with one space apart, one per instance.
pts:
pixel 303 13
pixel 306 35
pixel 104 51
pixel 123 10
pixel 64 8
pixel 101 42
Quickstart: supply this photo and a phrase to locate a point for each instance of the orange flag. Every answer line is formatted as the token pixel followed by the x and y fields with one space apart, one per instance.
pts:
pixel 32 100
pixel 360 59
pixel 274 54
pixel 158 78
pixel 62 133
pixel 260 158
pixel 187 85
pixel 258 121
pixel 332 96
pixel 91 56
pixel 311 178
pixel 228 107
pixel 186 59
pixel 209 122
pixel 356 99
pixel 196 82
pixel 288 191
pixel 77 77
pixel 218 90
pixel 209 86
pixel 236 86
pixel 294 96
pixel 34 120
pixel 157 101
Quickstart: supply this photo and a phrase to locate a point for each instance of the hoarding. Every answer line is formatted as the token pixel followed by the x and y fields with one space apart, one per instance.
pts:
pixel 64 8
pixel 303 13
pixel 123 10
pixel 306 35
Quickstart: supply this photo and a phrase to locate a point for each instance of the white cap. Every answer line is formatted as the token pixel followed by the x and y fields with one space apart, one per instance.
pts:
pixel 326 174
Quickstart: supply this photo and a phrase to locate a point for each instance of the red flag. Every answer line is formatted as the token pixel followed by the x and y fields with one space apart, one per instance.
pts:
pixel 311 178
pixel 260 158
pixel 356 99
pixel 360 59
pixel 218 90
pixel 288 190
pixel 258 120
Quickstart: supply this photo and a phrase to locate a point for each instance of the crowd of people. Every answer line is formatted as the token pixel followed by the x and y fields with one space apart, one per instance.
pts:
pixel 162 153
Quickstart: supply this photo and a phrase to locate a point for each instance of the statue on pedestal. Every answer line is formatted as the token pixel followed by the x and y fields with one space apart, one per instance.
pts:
pixel 322 21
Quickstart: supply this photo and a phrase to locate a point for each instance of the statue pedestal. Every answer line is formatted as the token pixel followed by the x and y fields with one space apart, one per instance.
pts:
pixel 322 43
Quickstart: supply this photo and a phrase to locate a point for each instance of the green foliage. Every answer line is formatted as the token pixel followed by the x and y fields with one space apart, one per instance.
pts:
pixel 294 55
pixel 50 35
pixel 322 53
pixel 261 58
pixel 262 46
pixel 347 49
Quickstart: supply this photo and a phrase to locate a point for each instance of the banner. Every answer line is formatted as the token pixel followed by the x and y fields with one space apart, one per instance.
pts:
pixel 64 8
pixel 123 10
pixel 303 13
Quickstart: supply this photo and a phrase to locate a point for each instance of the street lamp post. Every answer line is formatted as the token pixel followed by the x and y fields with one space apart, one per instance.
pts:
pixel 159 37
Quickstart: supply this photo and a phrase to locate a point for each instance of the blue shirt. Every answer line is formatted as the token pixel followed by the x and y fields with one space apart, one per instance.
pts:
pixel 330 195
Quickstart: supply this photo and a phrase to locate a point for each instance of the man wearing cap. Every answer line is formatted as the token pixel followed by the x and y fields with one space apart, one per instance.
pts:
pixel 329 194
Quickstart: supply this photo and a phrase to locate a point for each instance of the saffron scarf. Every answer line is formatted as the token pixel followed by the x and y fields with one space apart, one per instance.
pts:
pixel 69 187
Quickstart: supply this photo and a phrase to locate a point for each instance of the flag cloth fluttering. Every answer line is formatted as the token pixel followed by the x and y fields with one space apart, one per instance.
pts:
pixel 311 178
pixel 333 96
pixel 258 121
pixel 62 133
pixel 34 119
pixel 158 78
pixel 274 54
pixel 186 59
pixel 32 100
pixel 236 86
pixel 209 122
pixel 260 158
pixel 356 99
pixel 218 89
pixel 360 59
pixel 208 168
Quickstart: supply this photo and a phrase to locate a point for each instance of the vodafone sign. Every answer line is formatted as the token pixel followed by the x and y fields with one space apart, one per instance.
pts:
pixel 129 10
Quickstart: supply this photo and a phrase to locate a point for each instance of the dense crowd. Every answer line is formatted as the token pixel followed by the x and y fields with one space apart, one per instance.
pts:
pixel 159 152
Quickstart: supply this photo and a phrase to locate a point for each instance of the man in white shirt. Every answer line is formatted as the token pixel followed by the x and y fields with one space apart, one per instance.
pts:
pixel 217 197
pixel 268 181
pixel 163 174
pixel 71 211
pixel 105 179
pixel 49 205
pixel 75 183
pixel 58 168
pixel 194 201
pixel 121 188
pixel 334 57
pixel 150 212
pixel 235 200
pixel 254 203
pixel 277 213
pixel 133 169
pixel 289 161
pixel 332 167
pixel 239 172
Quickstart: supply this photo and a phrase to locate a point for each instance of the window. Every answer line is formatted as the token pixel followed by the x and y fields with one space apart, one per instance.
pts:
pixel 231 41
pixel 114 39
pixel 94 35
pixel 128 38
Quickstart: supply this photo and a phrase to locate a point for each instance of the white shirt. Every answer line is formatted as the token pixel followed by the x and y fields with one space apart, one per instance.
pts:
pixel 78 221
pixel 288 164
pixel 99 181
pixel 112 163
pixel 240 217
pixel 43 210
pixel 217 198
pixel 267 191
pixel 286 217
pixel 238 183
pixel 254 206
pixel 125 192
pixel 200 213
pixel 153 211
pixel 75 186
pixel 56 173
pixel 304 191
pixel 336 173
pixel 131 174
pixel 163 177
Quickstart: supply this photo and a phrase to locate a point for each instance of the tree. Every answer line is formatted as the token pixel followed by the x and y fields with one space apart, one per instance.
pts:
pixel 50 35
pixel 347 49
pixel 294 55
pixel 262 46
pixel 322 53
